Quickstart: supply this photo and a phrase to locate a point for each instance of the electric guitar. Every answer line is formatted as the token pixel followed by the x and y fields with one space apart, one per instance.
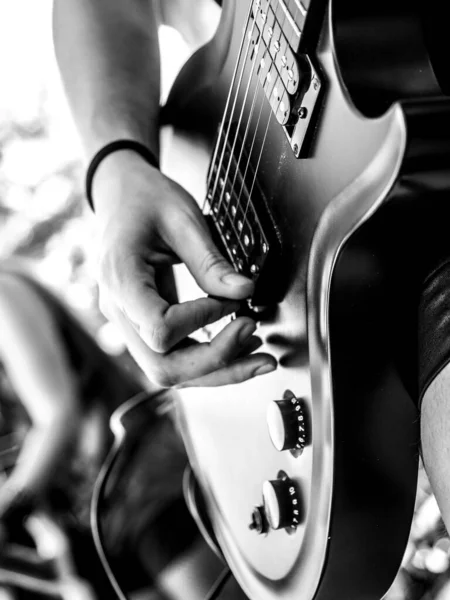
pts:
pixel 327 183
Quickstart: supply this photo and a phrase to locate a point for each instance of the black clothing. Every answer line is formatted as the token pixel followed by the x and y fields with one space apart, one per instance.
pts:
pixel 434 324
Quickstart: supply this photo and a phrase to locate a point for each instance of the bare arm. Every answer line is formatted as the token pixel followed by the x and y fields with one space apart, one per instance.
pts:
pixel 108 56
pixel 35 361
pixel 109 60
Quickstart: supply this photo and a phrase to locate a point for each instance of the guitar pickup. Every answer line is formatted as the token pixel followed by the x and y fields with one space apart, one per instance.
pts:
pixel 242 225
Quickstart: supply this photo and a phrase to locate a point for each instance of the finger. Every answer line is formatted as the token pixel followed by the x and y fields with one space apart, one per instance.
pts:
pixel 191 362
pixel 253 344
pixel 203 359
pixel 160 324
pixel 212 272
pixel 161 332
pixel 237 372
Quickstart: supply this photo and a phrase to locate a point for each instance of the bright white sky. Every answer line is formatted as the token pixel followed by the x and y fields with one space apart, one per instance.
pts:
pixel 27 66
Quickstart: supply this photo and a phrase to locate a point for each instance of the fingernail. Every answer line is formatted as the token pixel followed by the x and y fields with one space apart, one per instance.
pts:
pixel 263 369
pixel 235 279
pixel 246 332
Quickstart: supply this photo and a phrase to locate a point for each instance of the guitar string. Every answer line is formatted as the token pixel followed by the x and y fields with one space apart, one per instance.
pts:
pixel 297 12
pixel 244 219
pixel 222 124
pixel 256 129
pixel 233 218
pixel 236 137
pixel 219 165
pixel 230 161
pixel 227 171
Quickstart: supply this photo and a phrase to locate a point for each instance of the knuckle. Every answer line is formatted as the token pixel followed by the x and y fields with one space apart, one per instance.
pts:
pixel 163 378
pixel 200 317
pixel 212 261
pixel 160 338
pixel 116 266
pixel 221 361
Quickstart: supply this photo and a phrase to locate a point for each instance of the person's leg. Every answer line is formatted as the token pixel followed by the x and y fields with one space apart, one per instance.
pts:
pixel 435 438
pixel 434 378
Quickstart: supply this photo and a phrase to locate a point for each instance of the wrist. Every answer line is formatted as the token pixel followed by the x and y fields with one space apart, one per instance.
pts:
pixel 113 178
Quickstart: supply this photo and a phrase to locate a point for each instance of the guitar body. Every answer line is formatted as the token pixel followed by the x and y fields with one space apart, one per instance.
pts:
pixel 350 213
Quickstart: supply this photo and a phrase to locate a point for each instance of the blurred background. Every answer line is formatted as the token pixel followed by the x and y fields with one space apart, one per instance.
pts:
pixel 45 219
pixel 42 213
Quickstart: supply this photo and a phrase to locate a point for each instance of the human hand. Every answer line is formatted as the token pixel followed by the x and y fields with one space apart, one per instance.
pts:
pixel 147 223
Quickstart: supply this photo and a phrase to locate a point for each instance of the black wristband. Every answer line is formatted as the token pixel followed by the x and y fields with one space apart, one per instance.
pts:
pixel 141 149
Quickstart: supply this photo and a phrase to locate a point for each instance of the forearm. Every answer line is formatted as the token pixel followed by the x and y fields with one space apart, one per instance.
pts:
pixel 108 55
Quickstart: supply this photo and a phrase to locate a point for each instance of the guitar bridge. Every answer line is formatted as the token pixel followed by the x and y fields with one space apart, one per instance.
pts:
pixel 287 75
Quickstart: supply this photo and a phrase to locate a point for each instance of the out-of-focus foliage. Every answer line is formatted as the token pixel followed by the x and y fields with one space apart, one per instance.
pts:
pixel 43 214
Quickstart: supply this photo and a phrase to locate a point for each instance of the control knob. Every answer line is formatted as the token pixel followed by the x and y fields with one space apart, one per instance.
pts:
pixel 286 423
pixel 281 503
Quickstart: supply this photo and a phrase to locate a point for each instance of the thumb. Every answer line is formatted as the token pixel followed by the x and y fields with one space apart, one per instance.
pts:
pixel 212 272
